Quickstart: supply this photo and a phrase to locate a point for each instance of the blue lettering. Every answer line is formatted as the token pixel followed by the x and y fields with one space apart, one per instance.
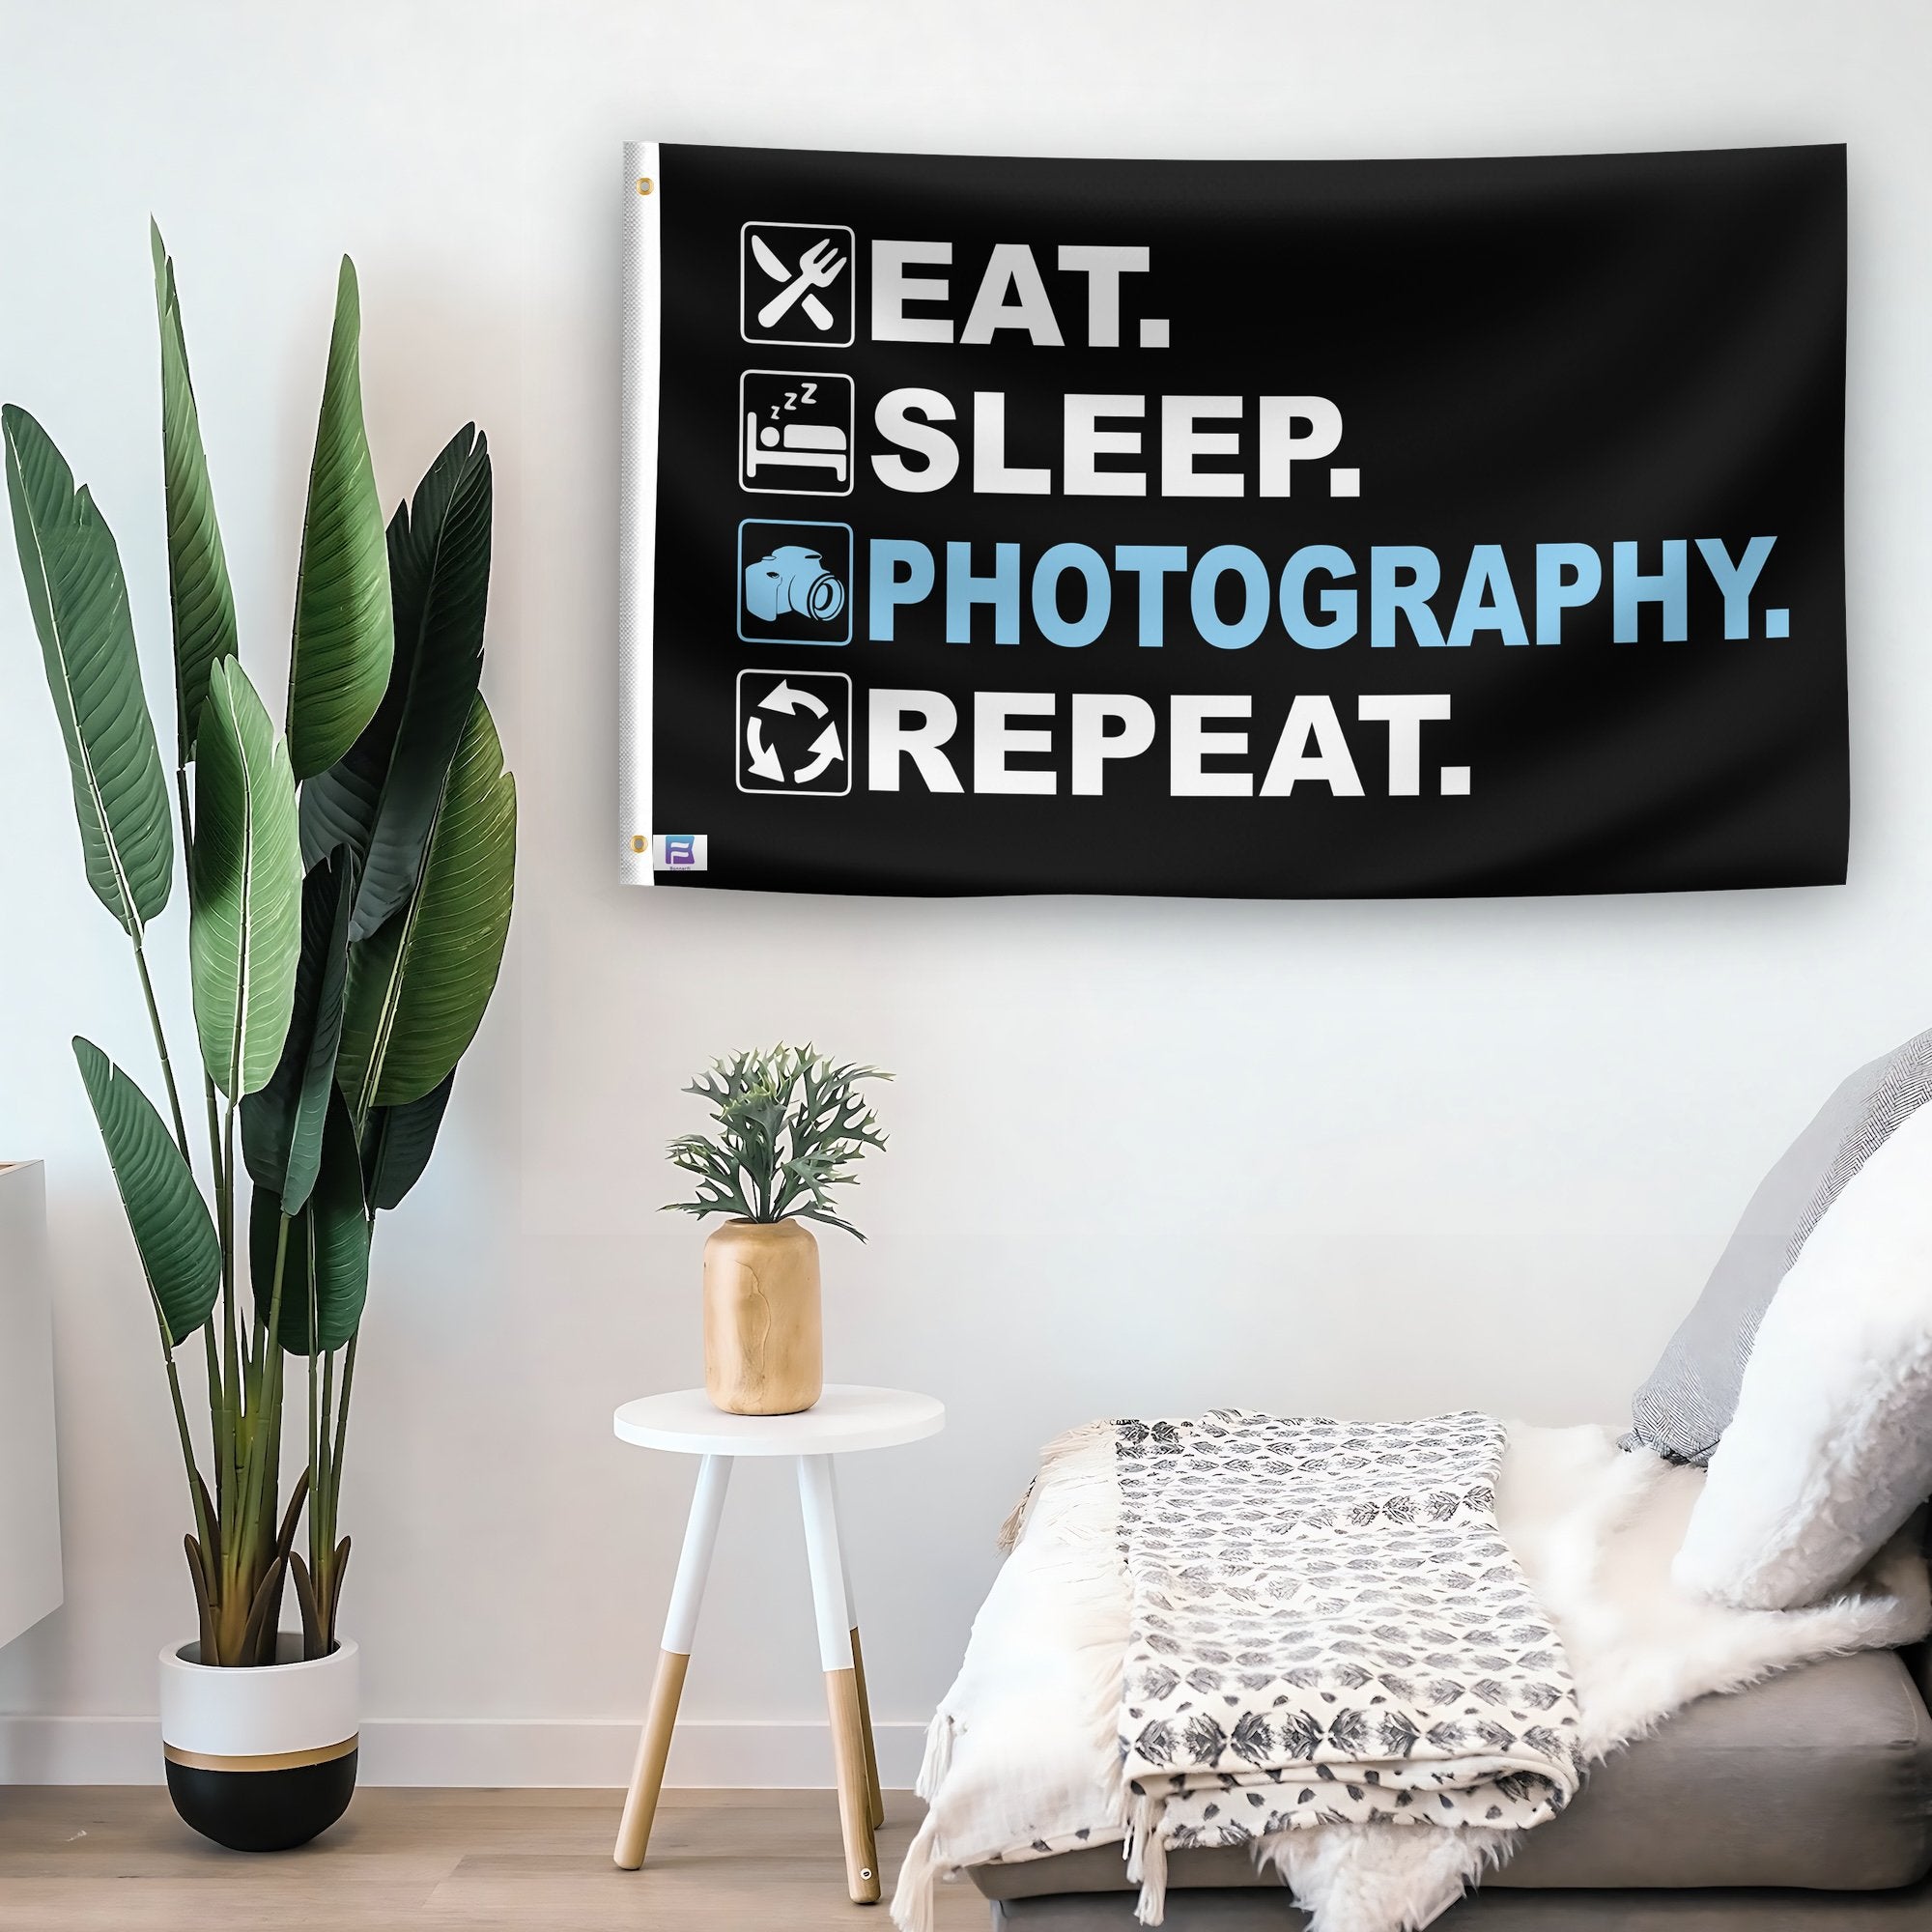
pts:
pixel 1410 597
pixel 1736 580
pixel 1487 602
pixel 890 590
pixel 1339 624
pixel 1151 563
pixel 1257 597
pixel 1046 576
pixel 963 590
pixel 1669 588
pixel 1557 592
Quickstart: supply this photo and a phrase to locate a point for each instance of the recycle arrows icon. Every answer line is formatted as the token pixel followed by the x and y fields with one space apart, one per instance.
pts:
pixel 824 751
pixel 786 698
pixel 764 760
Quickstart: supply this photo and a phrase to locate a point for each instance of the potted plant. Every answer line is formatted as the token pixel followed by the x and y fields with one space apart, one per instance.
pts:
pixel 790 1126
pixel 348 885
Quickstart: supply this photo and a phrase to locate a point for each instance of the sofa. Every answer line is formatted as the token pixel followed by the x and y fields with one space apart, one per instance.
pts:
pixel 1799 1805
pixel 1801 1381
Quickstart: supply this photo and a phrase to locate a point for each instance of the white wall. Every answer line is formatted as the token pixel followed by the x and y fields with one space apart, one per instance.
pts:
pixel 1153 1156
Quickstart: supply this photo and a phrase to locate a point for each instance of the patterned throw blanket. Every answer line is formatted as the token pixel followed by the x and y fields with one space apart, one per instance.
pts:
pixel 1326 1627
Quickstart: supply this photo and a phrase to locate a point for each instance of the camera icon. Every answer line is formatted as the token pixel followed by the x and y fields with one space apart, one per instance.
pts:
pixel 794 582
pixel 793 578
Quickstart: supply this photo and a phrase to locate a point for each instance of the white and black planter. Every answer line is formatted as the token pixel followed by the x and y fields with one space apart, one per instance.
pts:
pixel 261 1760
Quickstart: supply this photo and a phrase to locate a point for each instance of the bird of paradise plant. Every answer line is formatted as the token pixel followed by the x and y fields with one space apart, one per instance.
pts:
pixel 349 882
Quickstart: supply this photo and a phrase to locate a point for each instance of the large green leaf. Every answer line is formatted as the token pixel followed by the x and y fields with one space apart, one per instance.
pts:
pixel 344 636
pixel 281 1126
pixel 325 1264
pixel 398 1142
pixel 245 882
pixel 198 590
pixel 173 1233
pixel 79 601
pixel 380 799
pixel 418 987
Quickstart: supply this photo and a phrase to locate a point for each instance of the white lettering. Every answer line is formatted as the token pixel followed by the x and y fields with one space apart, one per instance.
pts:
pixel 1180 443
pixel 1190 741
pixel 1281 448
pixel 892 288
pixel 1404 715
pixel 1103 268
pixel 890 737
pixel 898 418
pixel 1312 717
pixel 1085 442
pixel 1094 744
pixel 990 475
pixel 994 739
pixel 1013 269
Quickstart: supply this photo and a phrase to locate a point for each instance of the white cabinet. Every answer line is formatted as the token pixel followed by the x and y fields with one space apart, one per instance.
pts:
pixel 30 1557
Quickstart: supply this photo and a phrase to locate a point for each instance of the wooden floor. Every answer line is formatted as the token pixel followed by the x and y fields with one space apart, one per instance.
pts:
pixel 76 1860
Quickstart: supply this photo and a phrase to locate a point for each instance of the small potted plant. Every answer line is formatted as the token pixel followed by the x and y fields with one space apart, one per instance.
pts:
pixel 791 1127
pixel 348 889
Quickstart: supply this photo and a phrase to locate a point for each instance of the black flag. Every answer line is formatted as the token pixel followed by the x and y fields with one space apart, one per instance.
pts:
pixel 1248 529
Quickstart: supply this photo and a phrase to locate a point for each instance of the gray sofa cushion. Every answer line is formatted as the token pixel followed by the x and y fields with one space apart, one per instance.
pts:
pixel 1693 1393
pixel 1820 1779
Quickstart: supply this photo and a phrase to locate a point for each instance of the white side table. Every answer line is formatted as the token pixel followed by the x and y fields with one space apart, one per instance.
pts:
pixel 844 1418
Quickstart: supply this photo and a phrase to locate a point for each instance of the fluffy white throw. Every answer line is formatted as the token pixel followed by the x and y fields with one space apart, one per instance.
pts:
pixel 1023 1756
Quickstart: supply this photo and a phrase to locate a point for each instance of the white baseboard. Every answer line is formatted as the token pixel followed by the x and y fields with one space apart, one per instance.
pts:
pixel 479 1751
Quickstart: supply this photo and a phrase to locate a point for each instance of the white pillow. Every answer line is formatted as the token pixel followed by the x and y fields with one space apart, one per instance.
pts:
pixel 1830 1448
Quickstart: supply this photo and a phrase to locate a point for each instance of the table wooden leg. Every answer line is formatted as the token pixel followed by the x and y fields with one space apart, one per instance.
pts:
pixel 876 1796
pixel 855 1806
pixel 821 1511
pixel 694 1564
pixel 640 1802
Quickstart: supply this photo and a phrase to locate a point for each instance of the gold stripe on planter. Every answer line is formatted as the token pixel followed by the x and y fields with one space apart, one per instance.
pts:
pixel 267 1761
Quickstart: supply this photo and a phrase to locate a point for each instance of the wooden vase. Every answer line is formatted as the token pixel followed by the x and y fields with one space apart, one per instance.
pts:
pixel 764 1347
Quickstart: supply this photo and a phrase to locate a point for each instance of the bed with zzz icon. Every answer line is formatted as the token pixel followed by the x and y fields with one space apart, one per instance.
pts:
pixel 807 445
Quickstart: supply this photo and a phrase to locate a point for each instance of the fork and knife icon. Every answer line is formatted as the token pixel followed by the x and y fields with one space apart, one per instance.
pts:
pixel 818 267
